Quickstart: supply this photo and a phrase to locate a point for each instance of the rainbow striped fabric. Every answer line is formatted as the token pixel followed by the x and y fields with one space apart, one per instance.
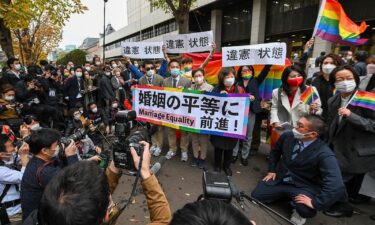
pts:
pixel 335 26
pixel 309 96
pixel 364 99
pixel 212 70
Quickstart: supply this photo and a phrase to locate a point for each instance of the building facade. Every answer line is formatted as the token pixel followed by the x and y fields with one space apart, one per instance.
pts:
pixel 241 22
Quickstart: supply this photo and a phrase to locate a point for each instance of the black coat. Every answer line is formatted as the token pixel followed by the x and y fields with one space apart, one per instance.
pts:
pixel 315 169
pixel 71 87
pixel 352 139
pixel 106 91
pixel 10 78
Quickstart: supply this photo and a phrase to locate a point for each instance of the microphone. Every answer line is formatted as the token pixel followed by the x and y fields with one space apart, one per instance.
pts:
pixel 157 166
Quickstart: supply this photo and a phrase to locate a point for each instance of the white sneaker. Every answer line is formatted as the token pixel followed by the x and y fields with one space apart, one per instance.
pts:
pixel 297 219
pixel 184 157
pixel 157 152
pixel 170 154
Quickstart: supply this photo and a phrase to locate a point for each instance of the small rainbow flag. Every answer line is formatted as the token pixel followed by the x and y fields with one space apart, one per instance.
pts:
pixel 364 99
pixel 308 96
pixel 335 26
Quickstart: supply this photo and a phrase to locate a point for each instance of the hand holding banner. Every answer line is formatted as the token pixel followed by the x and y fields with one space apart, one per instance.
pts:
pixel 142 50
pixel 262 54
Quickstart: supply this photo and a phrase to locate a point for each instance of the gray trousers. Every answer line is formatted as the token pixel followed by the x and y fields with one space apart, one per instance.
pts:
pixel 246 144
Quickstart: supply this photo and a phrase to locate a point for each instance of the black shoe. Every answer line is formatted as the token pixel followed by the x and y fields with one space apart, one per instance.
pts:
pixel 228 172
pixel 234 159
pixel 360 199
pixel 340 210
pixel 244 162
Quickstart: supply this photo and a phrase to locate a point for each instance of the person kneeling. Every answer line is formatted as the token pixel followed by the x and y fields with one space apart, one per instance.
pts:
pixel 308 172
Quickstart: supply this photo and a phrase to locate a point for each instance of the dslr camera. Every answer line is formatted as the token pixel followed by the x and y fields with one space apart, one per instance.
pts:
pixel 76 136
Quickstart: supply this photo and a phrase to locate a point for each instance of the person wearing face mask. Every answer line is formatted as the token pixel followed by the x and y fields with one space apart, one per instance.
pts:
pixel 151 78
pixel 13 75
pixel 12 168
pixel 99 119
pixel 304 169
pixel 286 103
pixel 8 109
pixel 106 92
pixel 76 121
pixel 368 83
pixel 360 63
pixel 177 81
pixel 200 141
pixel 250 84
pixel 32 122
pixel 351 134
pixel 224 145
pixel 118 83
pixel 321 80
pixel 113 64
pixel 74 88
pixel 349 58
pixel 43 166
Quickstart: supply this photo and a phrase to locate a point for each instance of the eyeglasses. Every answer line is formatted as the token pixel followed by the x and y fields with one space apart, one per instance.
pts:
pixel 149 68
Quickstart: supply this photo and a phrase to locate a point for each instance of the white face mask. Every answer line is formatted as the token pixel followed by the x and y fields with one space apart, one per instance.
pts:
pixel 18 67
pixel 35 127
pixel 9 98
pixel 150 73
pixel 371 68
pixel 97 63
pixel 56 153
pixel 114 65
pixel 95 110
pixel 349 57
pixel 328 68
pixel 77 117
pixel 136 65
pixel 88 68
pixel 229 82
pixel 345 86
pixel 199 80
pixel 79 74
pixel 298 135
pixel 108 73
pixel 114 105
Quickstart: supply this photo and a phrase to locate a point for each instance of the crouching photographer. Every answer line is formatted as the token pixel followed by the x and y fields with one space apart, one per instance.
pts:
pixel 13 161
pixel 49 157
pixel 81 194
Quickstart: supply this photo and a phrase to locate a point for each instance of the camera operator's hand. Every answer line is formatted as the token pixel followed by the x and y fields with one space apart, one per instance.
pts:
pixel 23 151
pixel 95 158
pixel 71 149
pixel 24 130
pixel 9 107
pixel 5 156
pixel 145 170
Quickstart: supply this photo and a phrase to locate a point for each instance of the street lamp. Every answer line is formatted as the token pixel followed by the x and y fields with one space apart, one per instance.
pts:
pixel 105 1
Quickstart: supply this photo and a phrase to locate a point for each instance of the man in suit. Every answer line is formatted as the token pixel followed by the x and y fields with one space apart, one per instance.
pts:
pixel 74 88
pixel 153 79
pixel 303 168
pixel 177 81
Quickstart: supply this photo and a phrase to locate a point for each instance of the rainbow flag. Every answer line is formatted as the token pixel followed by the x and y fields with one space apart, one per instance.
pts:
pixel 364 99
pixel 212 70
pixel 335 26
pixel 308 96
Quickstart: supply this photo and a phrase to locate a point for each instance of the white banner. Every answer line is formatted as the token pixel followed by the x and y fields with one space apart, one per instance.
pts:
pixel 142 50
pixel 270 53
pixel 193 111
pixel 185 43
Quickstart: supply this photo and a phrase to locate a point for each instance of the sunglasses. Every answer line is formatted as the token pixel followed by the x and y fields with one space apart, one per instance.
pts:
pixel 149 68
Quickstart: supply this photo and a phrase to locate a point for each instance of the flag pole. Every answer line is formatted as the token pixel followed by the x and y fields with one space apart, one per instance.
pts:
pixel 319 17
pixel 351 99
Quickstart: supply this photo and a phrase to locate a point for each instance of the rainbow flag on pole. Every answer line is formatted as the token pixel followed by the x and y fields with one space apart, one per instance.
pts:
pixel 364 99
pixel 309 96
pixel 335 26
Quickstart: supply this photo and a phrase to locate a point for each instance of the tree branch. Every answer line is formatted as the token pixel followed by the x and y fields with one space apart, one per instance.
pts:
pixel 172 6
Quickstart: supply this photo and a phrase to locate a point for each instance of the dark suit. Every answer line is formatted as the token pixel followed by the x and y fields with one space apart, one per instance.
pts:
pixel 72 88
pixel 10 78
pixel 314 172
pixel 157 80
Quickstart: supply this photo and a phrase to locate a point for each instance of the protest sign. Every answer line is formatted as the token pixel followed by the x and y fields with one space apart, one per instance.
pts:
pixel 193 111
pixel 142 50
pixel 262 54
pixel 194 42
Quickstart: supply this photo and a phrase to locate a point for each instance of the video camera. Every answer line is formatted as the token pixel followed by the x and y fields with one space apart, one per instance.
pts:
pixel 127 136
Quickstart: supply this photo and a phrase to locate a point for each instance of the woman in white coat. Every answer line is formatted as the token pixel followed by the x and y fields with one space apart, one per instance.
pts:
pixel 286 103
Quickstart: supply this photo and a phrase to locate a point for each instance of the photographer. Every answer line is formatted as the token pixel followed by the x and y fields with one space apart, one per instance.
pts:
pixel 10 178
pixel 9 110
pixel 73 196
pixel 45 164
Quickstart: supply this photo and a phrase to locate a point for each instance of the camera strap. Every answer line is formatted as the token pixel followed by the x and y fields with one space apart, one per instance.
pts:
pixel 40 171
pixel 4 219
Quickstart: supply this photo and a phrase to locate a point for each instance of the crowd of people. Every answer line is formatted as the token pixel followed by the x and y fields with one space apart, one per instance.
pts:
pixel 320 164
